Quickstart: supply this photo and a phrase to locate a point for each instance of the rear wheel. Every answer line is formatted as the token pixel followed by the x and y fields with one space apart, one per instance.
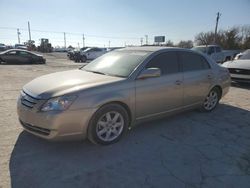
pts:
pixel 212 100
pixel 108 124
pixel 84 58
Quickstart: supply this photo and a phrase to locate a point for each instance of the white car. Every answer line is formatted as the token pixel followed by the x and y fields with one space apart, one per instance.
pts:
pixel 240 68
pixel 92 53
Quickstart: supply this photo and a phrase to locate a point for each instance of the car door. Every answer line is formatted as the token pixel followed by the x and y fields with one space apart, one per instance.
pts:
pixel 197 77
pixel 160 94
pixel 24 57
pixel 98 52
pixel 212 53
pixel 10 57
pixel 91 53
pixel 220 55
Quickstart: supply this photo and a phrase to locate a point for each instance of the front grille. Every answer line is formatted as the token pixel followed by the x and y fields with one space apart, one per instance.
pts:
pixel 239 71
pixel 241 79
pixel 28 100
pixel 36 129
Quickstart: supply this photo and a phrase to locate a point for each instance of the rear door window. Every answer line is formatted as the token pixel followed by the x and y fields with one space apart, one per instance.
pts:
pixel 193 62
pixel 12 53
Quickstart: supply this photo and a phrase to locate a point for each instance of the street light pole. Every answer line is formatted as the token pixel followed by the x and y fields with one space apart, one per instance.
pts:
pixel 29 31
pixel 64 40
pixel 18 36
pixel 146 37
pixel 83 41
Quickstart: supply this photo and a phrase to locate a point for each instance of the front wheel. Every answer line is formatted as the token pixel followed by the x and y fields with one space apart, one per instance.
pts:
pixel 108 124
pixel 212 100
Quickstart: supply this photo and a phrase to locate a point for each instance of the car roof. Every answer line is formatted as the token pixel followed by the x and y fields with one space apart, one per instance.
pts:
pixel 212 45
pixel 146 48
pixel 17 50
pixel 20 50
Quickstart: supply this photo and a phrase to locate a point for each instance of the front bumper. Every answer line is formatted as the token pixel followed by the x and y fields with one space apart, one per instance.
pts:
pixel 240 78
pixel 55 125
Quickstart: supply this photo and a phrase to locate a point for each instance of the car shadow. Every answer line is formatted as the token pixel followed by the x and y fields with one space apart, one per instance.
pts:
pixel 135 159
pixel 241 85
pixel 3 63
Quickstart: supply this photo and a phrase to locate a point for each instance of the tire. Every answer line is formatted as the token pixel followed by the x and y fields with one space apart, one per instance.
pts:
pixel 228 58
pixel 211 101
pixel 84 58
pixel 108 124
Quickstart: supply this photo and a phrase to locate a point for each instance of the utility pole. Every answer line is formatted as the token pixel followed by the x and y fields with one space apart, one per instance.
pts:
pixel 18 36
pixel 109 43
pixel 146 37
pixel 64 40
pixel 141 41
pixel 216 26
pixel 83 41
pixel 29 31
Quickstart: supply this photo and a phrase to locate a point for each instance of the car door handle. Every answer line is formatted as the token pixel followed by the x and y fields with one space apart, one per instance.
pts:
pixel 209 76
pixel 178 82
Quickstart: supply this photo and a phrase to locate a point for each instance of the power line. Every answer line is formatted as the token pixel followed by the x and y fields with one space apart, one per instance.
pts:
pixel 79 34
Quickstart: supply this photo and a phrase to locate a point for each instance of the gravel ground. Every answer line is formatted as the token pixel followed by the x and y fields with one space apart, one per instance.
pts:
pixel 191 149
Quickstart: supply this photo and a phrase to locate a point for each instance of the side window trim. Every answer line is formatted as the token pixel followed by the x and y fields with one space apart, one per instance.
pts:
pixel 208 64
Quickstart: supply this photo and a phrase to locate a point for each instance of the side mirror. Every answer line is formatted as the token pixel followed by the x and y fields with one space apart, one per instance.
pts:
pixel 150 73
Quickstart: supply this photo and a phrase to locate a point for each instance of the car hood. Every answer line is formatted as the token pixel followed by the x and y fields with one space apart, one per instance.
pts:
pixel 238 64
pixel 61 83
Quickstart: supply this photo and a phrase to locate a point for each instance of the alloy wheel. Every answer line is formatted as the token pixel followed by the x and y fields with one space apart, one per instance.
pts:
pixel 211 100
pixel 110 126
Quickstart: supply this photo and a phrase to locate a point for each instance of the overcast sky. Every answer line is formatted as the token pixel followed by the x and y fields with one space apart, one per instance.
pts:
pixel 117 21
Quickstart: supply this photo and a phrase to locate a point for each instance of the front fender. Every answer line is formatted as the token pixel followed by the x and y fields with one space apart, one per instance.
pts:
pixel 125 94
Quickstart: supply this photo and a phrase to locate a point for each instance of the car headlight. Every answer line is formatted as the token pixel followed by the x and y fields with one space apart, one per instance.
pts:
pixel 58 103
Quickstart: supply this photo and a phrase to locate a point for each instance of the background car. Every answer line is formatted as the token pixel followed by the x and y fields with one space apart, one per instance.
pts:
pixel 240 68
pixel 16 56
pixel 2 47
pixel 75 54
pixel 92 53
pixel 20 46
pixel 216 52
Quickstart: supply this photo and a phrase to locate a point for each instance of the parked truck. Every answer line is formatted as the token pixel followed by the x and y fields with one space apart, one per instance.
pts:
pixel 216 52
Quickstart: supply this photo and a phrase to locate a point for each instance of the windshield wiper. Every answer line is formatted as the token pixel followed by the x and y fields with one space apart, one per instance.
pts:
pixel 97 72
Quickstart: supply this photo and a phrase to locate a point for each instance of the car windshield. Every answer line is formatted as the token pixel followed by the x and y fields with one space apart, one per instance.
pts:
pixel 116 63
pixel 245 55
pixel 88 49
pixel 200 49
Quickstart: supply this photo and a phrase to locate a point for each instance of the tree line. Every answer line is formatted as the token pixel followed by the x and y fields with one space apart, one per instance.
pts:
pixel 237 37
